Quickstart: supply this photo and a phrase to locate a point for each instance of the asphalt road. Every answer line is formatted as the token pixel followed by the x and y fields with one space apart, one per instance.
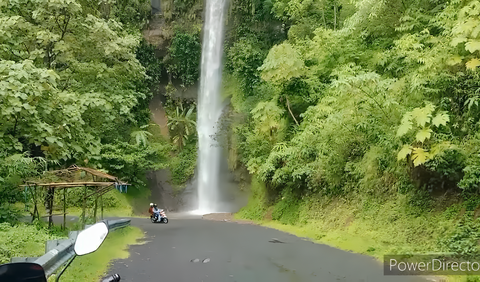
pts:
pixel 195 250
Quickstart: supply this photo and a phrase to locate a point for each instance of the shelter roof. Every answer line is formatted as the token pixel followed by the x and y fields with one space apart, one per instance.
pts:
pixel 66 178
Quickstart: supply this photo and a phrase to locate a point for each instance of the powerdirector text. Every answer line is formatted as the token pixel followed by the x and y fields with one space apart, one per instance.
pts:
pixel 431 265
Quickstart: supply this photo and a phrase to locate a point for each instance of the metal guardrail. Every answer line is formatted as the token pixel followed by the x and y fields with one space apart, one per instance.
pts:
pixel 58 252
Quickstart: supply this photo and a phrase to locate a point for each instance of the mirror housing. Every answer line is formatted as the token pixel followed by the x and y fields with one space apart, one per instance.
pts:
pixel 90 239
pixel 22 272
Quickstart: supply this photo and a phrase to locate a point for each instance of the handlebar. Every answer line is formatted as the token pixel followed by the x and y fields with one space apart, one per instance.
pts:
pixel 112 278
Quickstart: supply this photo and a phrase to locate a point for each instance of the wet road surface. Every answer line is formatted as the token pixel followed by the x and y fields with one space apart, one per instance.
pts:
pixel 195 250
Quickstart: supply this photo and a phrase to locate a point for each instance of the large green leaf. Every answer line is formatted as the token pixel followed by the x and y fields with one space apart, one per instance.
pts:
pixel 440 119
pixel 473 64
pixel 404 152
pixel 423 134
pixel 419 156
pixel 423 115
pixel 472 46
pixel 406 125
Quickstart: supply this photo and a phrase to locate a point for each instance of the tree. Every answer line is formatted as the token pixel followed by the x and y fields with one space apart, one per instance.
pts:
pixel 182 125
pixel 67 78
pixel 282 64
pixel 184 58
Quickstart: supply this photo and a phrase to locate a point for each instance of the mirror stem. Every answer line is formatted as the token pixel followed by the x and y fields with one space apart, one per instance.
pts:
pixel 66 266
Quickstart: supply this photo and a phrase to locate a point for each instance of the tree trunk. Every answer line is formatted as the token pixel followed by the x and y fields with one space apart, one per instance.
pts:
pixel 288 106
pixel 324 20
pixel 335 17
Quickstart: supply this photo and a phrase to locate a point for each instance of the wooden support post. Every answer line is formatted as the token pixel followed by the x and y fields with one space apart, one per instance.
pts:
pixel 84 207
pixel 96 200
pixel 51 195
pixel 101 203
pixel 64 208
pixel 95 208
pixel 35 209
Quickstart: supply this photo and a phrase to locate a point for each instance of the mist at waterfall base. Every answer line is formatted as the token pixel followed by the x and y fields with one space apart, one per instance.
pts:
pixel 209 111
pixel 229 197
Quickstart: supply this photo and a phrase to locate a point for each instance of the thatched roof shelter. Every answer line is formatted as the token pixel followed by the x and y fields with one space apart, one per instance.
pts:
pixel 75 176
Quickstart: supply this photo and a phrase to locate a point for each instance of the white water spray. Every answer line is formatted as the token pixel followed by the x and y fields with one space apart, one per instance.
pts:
pixel 210 108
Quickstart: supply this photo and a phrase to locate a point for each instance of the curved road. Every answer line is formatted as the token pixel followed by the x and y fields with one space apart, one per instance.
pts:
pixel 196 250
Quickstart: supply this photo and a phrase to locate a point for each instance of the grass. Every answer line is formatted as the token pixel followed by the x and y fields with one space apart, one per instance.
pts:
pixel 94 266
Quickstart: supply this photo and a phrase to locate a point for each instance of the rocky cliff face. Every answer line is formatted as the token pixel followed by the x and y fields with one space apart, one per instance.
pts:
pixel 159 34
pixel 156 34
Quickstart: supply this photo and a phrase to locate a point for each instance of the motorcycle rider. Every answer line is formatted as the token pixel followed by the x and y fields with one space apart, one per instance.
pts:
pixel 150 210
pixel 155 208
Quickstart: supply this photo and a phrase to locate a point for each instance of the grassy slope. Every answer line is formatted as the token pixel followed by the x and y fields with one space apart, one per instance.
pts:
pixel 360 226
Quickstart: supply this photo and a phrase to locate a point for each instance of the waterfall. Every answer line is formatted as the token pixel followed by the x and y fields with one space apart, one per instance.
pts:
pixel 210 107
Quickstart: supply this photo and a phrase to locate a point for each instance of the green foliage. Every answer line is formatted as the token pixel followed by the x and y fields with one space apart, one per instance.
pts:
pixel 286 210
pixel 140 137
pixel 130 12
pixel 419 202
pixel 267 117
pixel 182 125
pixel 182 6
pixel 422 117
pixel 9 214
pixel 336 107
pixel 75 86
pixel 464 239
pixel 243 59
pixel 282 64
pixel 182 166
pixel 256 207
pixel 153 66
pixel 184 58
pixel 24 240
pixel 131 161
pixel 13 170
pixel 68 78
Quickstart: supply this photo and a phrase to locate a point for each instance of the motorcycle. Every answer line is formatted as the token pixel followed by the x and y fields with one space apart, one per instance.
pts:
pixel 88 241
pixel 159 216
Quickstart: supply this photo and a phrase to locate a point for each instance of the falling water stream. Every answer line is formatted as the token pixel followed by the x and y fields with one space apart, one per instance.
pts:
pixel 210 108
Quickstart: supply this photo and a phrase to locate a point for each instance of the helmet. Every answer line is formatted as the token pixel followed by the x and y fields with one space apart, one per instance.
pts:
pixel 155 205
pixel 151 204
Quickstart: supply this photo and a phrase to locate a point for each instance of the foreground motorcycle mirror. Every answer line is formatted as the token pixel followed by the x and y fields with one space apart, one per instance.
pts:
pixel 22 272
pixel 90 239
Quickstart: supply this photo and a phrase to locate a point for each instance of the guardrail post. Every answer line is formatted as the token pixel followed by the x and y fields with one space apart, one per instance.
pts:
pixel 50 244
